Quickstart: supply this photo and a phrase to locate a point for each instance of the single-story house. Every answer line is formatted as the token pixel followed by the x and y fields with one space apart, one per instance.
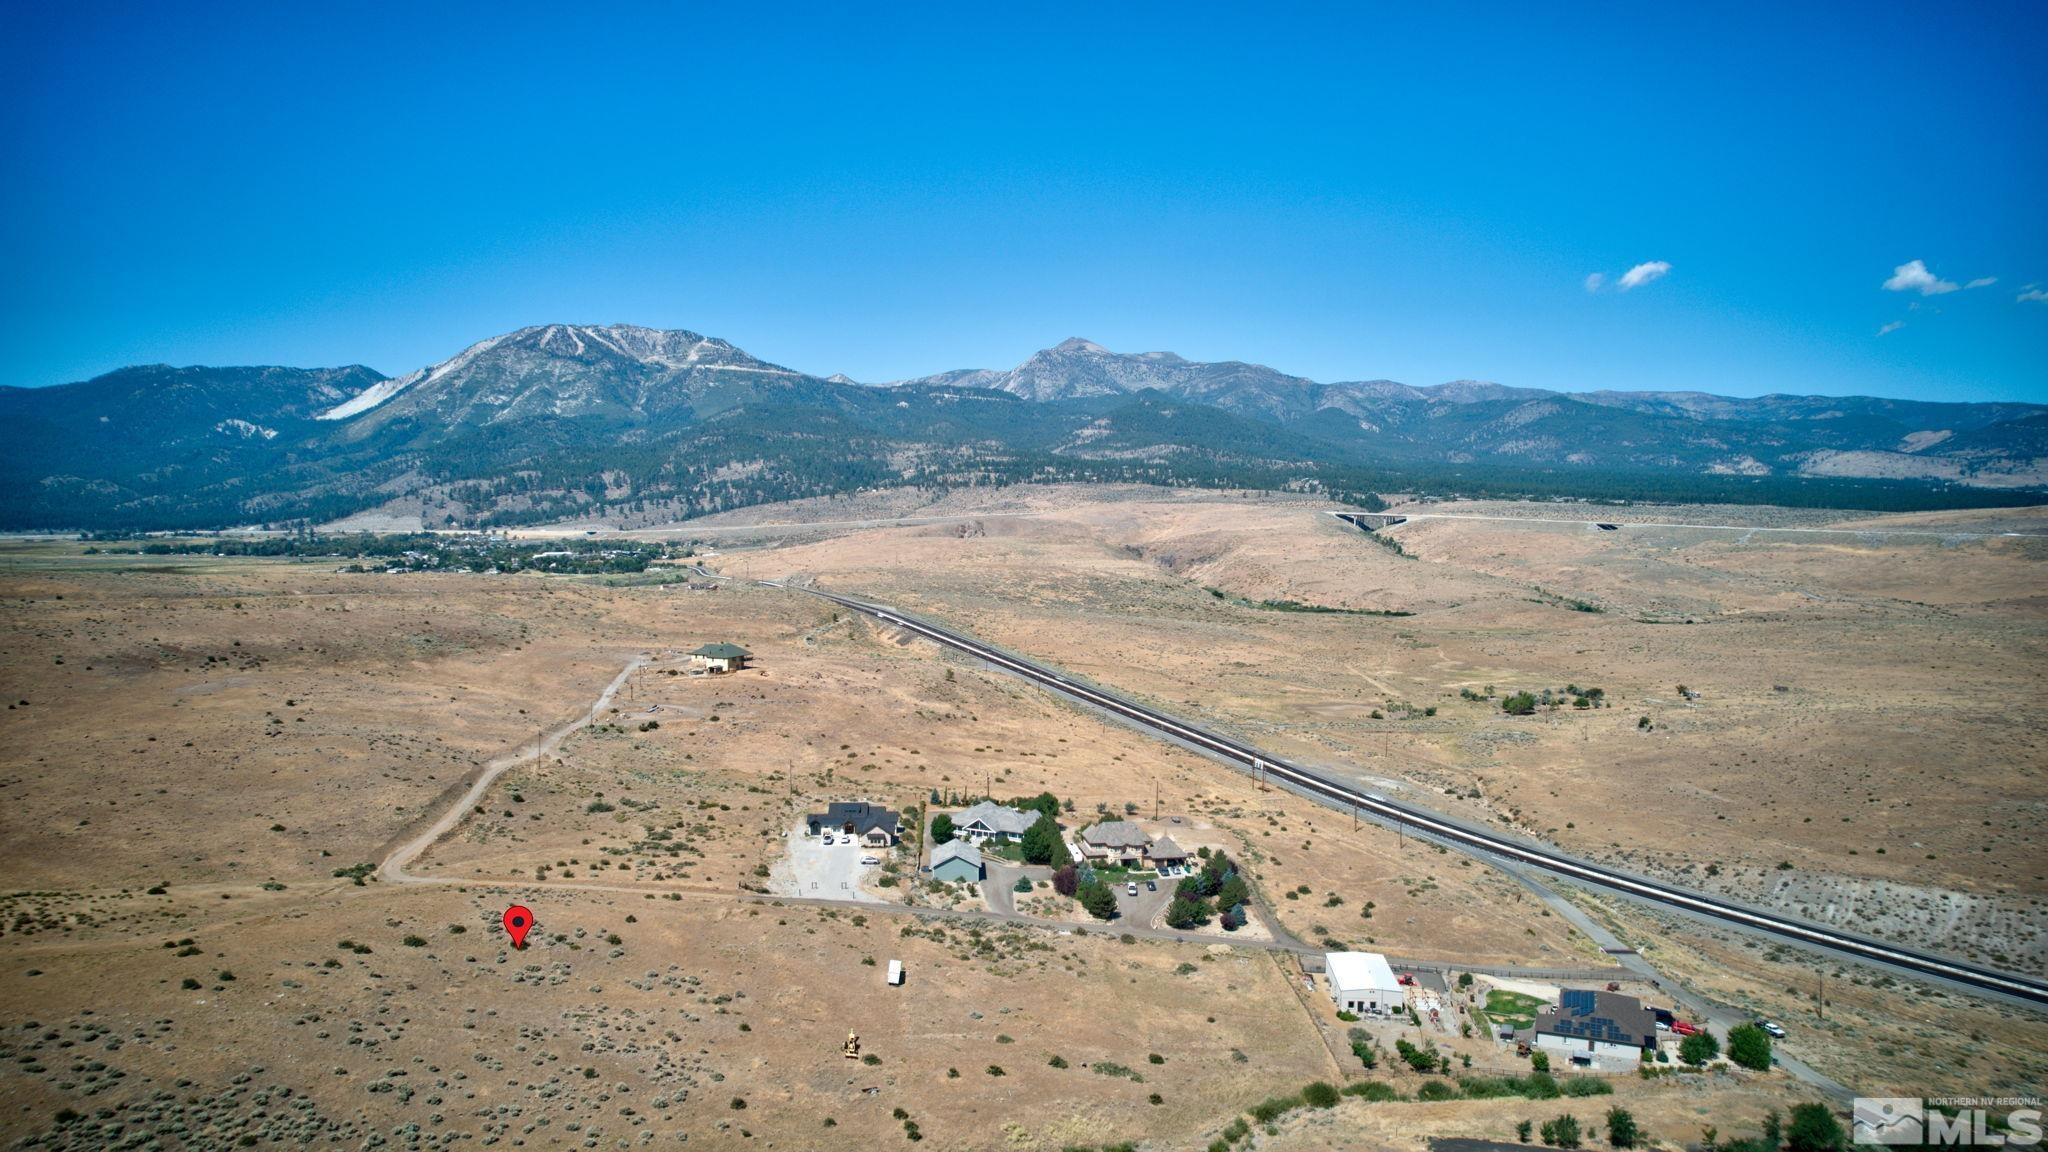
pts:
pixel 1118 842
pixel 721 657
pixel 1596 1022
pixel 989 820
pixel 875 826
pixel 1362 982
pixel 1166 856
pixel 956 861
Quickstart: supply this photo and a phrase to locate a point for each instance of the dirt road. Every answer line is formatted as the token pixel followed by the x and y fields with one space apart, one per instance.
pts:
pixel 393 867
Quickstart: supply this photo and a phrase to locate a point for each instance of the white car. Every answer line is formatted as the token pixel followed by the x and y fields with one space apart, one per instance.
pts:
pixel 1773 1029
pixel 870 860
pixel 1131 889
pixel 828 838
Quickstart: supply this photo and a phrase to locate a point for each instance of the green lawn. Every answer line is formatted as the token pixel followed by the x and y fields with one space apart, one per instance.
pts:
pixel 1511 1009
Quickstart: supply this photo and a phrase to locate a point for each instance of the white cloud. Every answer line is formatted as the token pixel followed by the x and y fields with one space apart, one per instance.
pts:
pixel 1594 281
pixel 1982 282
pixel 1642 274
pixel 1913 276
pixel 1892 327
pixel 2032 293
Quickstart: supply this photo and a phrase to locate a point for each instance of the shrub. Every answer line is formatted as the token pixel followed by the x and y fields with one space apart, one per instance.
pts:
pixel 1699 1048
pixel 1437 1090
pixel 1522 1131
pixel 1272 1108
pixel 1066 881
pixel 1622 1130
pixel 414 942
pixel 1377 1091
pixel 1057 1062
pixel 1520 704
pixel 1813 1129
pixel 1540 1061
pixel 1750 1046
pixel 596 806
pixel 996 1070
pixel 1320 1095
pixel 1587 1086
pixel 1562 1132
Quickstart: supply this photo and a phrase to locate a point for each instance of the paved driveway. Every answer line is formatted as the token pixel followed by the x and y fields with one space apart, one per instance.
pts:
pixel 1001 878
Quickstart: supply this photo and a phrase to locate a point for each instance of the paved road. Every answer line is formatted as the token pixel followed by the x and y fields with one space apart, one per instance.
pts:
pixel 1624 525
pixel 1482 842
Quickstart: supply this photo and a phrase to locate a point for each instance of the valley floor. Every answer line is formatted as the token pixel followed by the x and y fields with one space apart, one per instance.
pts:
pixel 195 747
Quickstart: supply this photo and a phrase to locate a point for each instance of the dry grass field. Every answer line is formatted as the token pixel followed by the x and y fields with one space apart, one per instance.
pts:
pixel 195 747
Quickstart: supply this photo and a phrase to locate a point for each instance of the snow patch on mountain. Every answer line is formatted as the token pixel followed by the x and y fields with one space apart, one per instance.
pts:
pixel 235 426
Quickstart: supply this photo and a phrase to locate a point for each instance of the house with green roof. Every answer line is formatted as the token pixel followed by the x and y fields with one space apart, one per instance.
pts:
pixel 721 657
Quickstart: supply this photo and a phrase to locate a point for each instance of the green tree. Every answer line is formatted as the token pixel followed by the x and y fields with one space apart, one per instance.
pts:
pixel 1522 1131
pixel 1186 914
pixel 1045 804
pixel 1042 843
pixel 1563 1132
pixel 1540 1061
pixel 1520 704
pixel 942 829
pixel 1813 1129
pixel 1699 1048
pixel 1750 1046
pixel 1622 1130
pixel 1098 900
pixel 1233 892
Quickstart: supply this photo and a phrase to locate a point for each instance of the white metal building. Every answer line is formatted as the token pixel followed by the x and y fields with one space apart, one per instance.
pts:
pixel 1362 982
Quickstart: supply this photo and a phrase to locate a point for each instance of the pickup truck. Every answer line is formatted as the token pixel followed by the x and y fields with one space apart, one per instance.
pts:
pixel 1776 1032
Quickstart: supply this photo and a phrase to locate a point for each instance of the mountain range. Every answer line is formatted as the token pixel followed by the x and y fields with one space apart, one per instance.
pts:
pixel 643 425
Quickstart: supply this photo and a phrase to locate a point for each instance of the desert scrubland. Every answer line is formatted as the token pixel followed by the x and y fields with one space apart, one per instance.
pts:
pixel 195 747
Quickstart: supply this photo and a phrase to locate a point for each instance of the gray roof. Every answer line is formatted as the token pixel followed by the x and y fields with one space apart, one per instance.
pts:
pixel 996 818
pixel 1604 1016
pixel 1117 834
pixel 722 651
pixel 1165 849
pixel 956 849
pixel 865 818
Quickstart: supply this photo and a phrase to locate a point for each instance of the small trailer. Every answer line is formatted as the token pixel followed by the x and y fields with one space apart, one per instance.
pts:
pixel 895 971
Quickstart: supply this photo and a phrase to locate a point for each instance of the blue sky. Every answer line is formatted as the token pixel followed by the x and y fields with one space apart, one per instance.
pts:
pixel 1340 191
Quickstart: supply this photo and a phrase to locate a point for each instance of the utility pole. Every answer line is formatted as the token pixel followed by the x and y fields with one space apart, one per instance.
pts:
pixel 1155 799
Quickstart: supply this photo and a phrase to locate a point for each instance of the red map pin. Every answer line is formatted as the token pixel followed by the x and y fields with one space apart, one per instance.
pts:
pixel 518 922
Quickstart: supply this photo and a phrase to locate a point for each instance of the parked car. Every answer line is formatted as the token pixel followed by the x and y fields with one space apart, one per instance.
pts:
pixel 828 837
pixel 1614 985
pixel 1685 1029
pixel 870 860
pixel 1131 889
pixel 1768 1026
pixel 1151 885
